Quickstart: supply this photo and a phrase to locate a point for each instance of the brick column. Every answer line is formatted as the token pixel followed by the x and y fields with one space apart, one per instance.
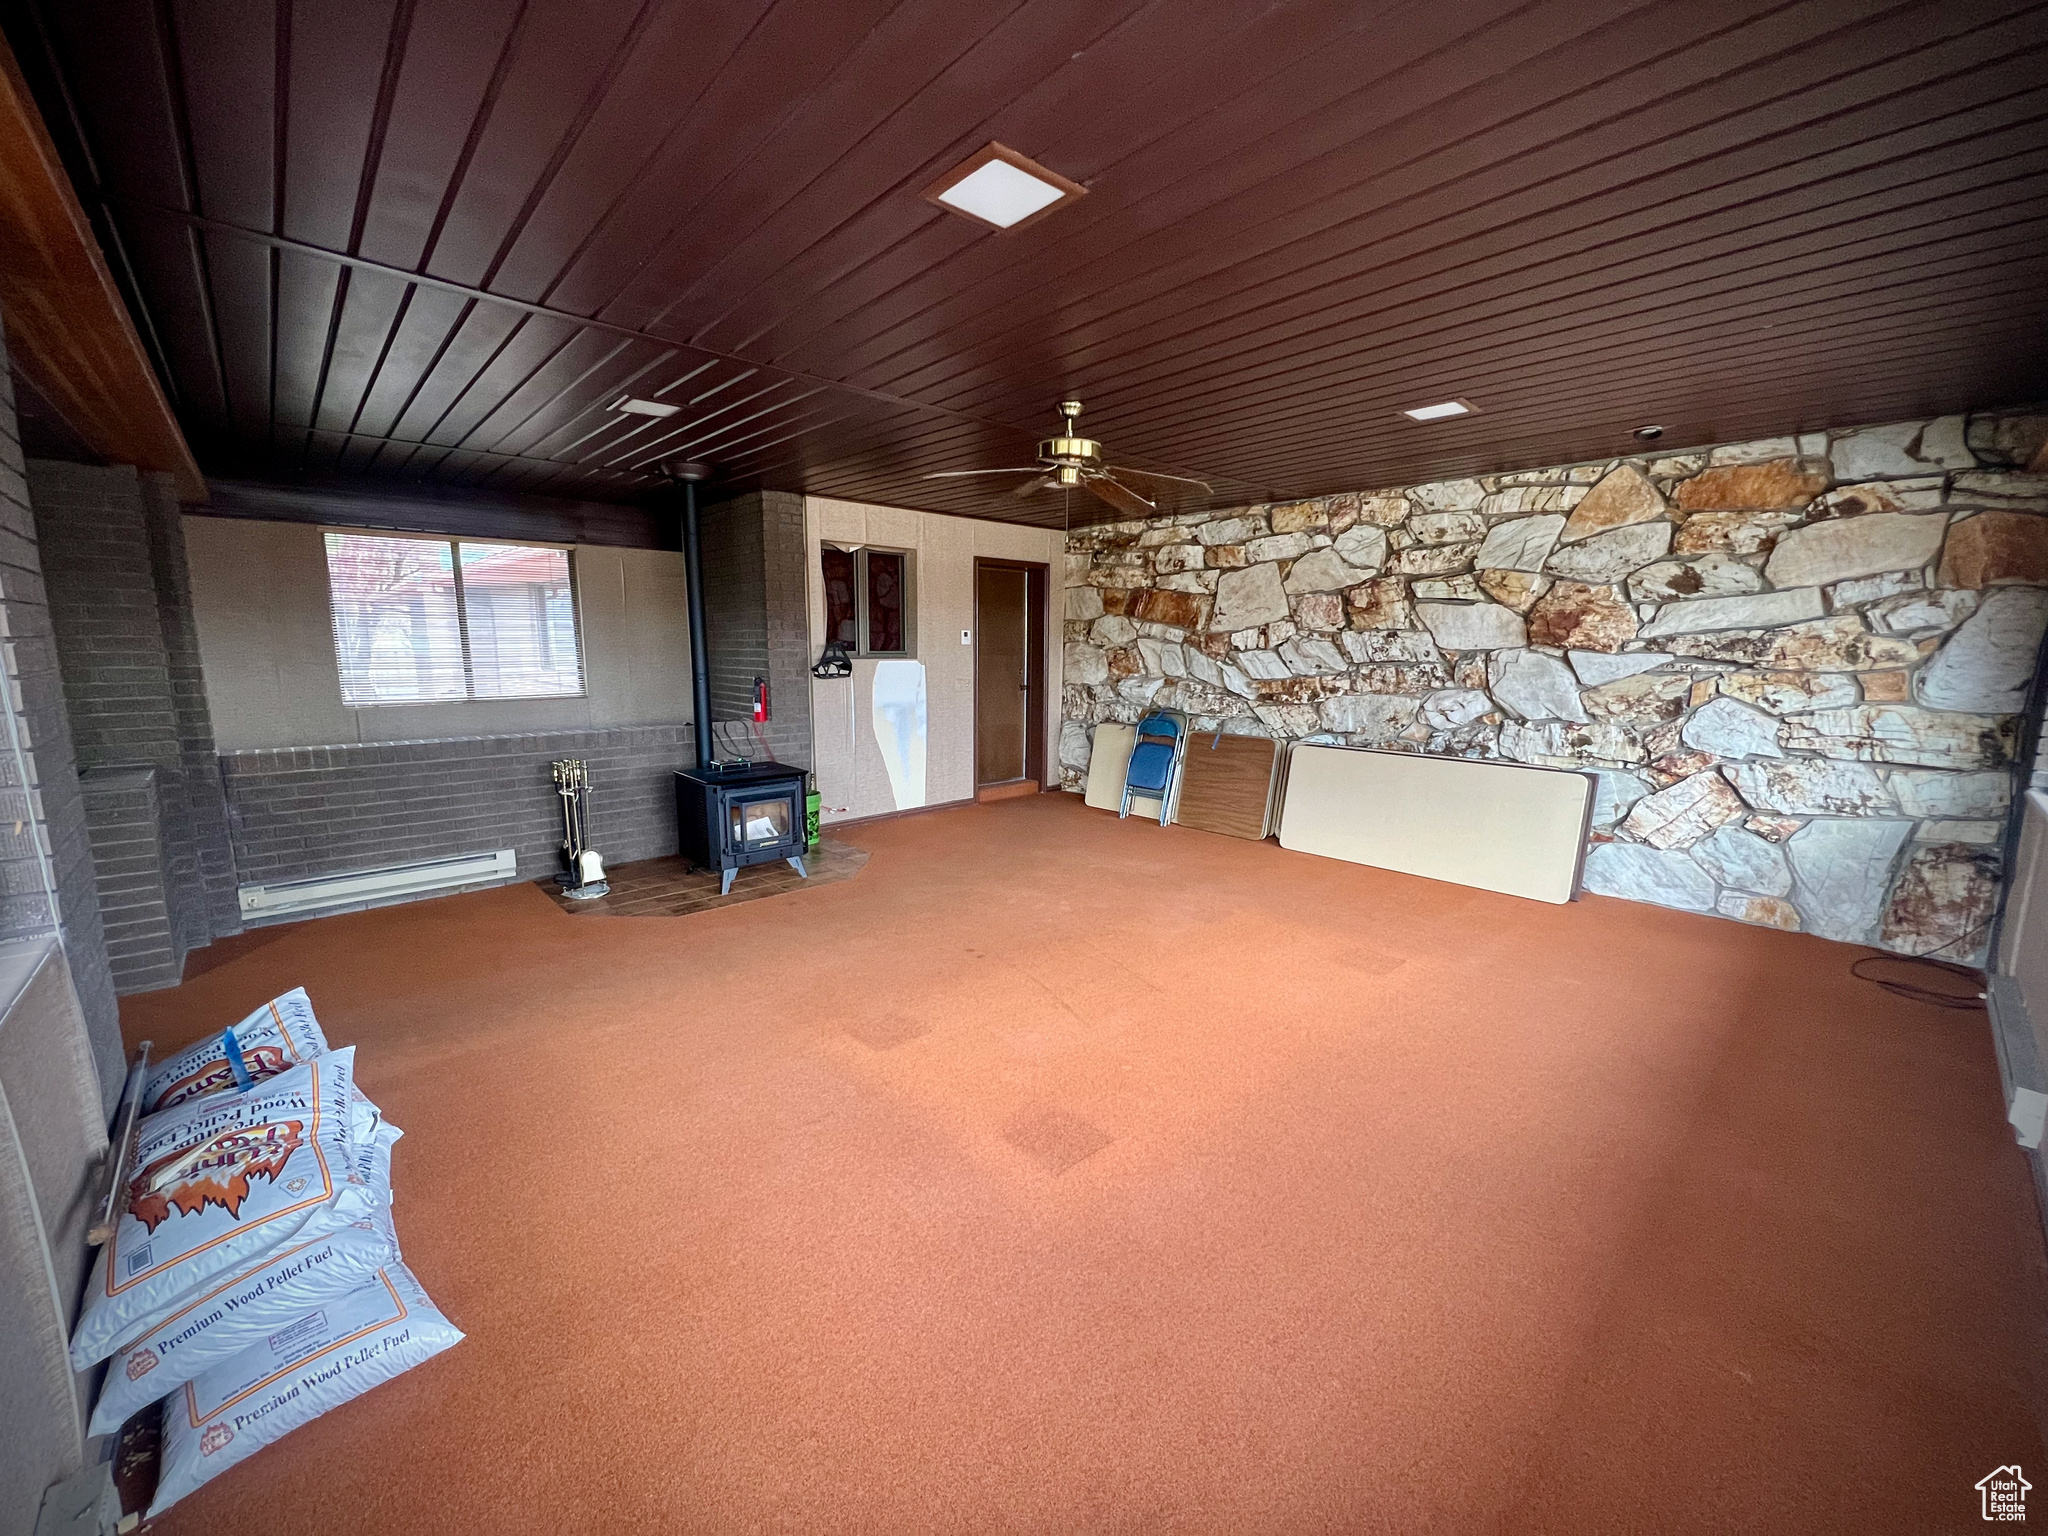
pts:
pixel 46 869
pixel 120 606
pixel 756 623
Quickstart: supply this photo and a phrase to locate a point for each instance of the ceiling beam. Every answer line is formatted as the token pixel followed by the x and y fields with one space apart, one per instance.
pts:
pixel 67 327
pixel 346 501
pixel 201 221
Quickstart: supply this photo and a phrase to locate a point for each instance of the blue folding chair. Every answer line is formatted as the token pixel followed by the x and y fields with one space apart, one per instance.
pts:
pixel 1153 761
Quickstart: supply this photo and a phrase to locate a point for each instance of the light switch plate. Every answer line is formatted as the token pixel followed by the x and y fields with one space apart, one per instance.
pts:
pixel 967 637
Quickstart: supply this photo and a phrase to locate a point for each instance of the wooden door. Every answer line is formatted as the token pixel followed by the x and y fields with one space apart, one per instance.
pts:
pixel 1002 674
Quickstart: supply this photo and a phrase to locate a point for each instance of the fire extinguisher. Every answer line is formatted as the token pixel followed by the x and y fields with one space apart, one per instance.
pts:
pixel 760 700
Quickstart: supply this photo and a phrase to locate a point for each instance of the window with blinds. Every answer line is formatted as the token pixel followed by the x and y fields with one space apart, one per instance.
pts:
pixel 428 621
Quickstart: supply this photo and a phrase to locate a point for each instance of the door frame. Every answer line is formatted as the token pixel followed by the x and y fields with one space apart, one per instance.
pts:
pixel 1037 614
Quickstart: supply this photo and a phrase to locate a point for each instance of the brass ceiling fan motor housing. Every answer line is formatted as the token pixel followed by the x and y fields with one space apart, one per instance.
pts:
pixel 1070 461
pixel 1069 453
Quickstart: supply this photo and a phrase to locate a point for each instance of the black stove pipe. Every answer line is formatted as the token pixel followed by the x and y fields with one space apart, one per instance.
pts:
pixel 700 665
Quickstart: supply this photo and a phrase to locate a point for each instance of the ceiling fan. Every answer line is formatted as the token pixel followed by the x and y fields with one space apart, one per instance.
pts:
pixel 1070 460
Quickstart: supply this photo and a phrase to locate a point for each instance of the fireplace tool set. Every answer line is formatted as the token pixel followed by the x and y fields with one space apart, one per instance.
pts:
pixel 584 877
pixel 731 814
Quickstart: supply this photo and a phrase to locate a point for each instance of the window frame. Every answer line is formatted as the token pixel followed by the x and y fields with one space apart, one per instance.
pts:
pixel 861 631
pixel 454 543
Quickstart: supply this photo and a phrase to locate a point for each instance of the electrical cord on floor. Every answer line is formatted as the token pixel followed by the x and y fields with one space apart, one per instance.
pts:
pixel 1971 1001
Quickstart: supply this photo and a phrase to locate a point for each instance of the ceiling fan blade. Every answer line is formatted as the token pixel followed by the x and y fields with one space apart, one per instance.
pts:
pixel 1122 497
pixel 1036 485
pixel 1153 474
pixel 955 474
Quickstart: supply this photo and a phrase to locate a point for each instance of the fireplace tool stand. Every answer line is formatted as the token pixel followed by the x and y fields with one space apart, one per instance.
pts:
pixel 584 878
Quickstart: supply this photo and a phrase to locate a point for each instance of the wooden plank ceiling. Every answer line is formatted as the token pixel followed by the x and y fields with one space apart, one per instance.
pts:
pixel 83 380
pixel 433 239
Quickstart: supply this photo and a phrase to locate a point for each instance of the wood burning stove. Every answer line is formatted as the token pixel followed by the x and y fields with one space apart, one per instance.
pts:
pixel 728 815
pixel 750 813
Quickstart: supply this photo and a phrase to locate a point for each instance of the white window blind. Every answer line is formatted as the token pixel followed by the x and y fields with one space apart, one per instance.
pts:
pixel 423 621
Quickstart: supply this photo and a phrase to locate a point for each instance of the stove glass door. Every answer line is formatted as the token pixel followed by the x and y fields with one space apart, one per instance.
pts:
pixel 758 823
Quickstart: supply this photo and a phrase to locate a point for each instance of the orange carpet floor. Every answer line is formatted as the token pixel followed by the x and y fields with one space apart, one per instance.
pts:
pixel 1064 1174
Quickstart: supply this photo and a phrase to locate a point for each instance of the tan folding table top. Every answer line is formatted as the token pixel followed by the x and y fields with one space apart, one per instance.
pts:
pixel 1498 826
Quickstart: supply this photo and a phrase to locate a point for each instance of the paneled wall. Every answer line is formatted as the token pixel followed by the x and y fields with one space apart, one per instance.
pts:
pixel 260 597
pixel 318 788
pixel 852 779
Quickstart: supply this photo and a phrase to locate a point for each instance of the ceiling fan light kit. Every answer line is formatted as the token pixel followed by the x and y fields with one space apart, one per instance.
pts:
pixel 1069 461
pixel 1072 452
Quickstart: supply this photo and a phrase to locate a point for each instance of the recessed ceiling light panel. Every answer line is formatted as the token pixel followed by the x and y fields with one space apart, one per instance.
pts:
pixel 1442 412
pixel 633 407
pixel 1001 189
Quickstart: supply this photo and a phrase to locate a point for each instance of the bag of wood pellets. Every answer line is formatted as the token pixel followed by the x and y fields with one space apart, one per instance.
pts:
pixel 273 1039
pixel 212 1191
pixel 293 1375
pixel 226 1317
pixel 364 1115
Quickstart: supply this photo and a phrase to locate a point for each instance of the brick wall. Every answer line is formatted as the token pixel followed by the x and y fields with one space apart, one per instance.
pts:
pixel 735 604
pixel 322 810
pixel 117 691
pixel 299 812
pixel 39 789
pixel 212 869
pixel 125 818
pixel 103 603
pixel 789 625
pixel 305 811
pixel 120 604
pixel 755 621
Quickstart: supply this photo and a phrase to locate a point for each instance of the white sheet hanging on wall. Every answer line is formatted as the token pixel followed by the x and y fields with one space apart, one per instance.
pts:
pixel 900 728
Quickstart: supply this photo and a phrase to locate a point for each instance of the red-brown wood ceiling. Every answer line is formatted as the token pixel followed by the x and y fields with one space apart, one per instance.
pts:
pixel 1733 219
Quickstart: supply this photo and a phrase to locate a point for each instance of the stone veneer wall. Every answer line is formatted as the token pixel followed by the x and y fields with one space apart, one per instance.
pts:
pixel 1794 665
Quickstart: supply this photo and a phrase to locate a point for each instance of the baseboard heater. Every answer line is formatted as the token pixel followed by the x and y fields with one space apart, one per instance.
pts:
pixel 320 892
